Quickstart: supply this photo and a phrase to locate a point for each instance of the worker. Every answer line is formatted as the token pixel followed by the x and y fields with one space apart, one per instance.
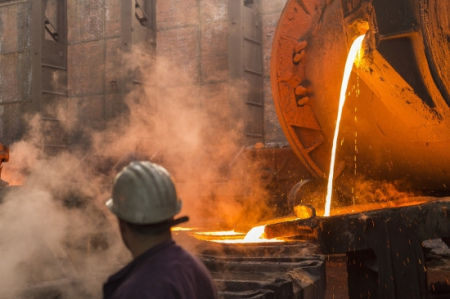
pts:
pixel 145 202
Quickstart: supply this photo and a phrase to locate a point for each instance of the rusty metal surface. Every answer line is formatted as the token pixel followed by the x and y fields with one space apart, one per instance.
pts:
pixel 390 240
pixel 352 231
pixel 436 30
pixel 398 100
pixel 292 83
pixel 349 232
pixel 384 247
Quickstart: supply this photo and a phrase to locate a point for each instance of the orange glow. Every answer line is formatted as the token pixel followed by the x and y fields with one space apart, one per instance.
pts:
pixel 255 235
pixel 220 233
pixel 379 205
pixel 182 229
pixel 242 241
pixel 14 178
pixel 351 58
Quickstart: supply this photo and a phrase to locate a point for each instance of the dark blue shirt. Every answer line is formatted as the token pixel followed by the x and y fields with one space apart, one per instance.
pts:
pixel 165 271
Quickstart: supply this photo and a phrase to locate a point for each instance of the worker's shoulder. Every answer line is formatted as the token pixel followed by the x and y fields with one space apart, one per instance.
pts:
pixel 169 273
pixel 174 263
pixel 176 256
pixel 166 256
pixel 147 287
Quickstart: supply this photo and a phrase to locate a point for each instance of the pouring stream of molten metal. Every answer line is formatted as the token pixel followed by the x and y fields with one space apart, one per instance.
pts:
pixel 257 234
pixel 352 56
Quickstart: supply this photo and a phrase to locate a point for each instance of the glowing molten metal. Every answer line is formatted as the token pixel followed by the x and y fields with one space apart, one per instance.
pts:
pixel 255 235
pixel 351 59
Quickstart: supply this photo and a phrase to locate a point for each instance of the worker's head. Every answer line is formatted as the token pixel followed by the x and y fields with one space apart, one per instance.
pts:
pixel 145 198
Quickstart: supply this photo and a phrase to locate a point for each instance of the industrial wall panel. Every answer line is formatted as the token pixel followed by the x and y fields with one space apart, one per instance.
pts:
pixel 54 80
pixel 113 70
pixel 253 126
pixel 86 74
pixel 177 13
pixel 11 77
pixel 114 105
pixel 251 20
pixel 112 17
pixel 54 54
pixel 253 86
pixel 14 21
pixel 269 24
pixel 213 10
pixel 252 57
pixel 87 108
pixel 245 64
pixel 272 128
pixel 54 136
pixel 180 46
pixel 85 20
pixel 53 106
pixel 11 122
pixel 214 44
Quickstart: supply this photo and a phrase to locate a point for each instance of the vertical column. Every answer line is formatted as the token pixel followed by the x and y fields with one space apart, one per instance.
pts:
pixel 245 65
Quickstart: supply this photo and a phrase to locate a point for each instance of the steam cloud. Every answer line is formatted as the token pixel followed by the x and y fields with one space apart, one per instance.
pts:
pixel 60 201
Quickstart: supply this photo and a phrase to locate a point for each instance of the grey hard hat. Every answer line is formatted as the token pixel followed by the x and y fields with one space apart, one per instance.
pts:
pixel 143 193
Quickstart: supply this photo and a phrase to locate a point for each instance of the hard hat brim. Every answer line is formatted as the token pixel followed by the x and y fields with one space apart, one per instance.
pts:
pixel 110 204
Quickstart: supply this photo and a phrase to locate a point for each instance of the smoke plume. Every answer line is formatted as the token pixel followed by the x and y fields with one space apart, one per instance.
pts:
pixel 56 214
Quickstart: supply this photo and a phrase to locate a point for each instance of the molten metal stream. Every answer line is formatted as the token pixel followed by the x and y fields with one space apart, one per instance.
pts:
pixel 352 56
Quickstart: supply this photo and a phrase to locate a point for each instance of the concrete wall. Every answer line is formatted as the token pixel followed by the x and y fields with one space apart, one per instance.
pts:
pixel 94 42
pixel 193 33
pixel 15 67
